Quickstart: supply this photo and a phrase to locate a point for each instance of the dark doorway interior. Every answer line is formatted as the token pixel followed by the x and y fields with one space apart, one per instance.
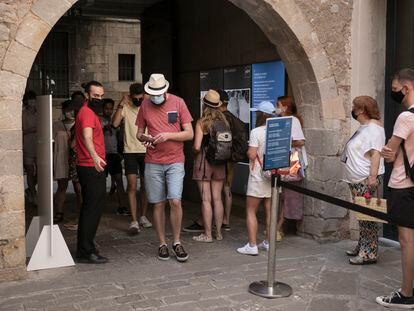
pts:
pixel 400 54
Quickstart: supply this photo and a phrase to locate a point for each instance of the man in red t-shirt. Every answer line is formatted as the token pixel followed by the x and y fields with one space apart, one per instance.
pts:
pixel 90 152
pixel 168 122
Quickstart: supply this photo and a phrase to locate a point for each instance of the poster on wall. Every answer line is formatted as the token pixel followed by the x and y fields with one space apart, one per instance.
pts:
pixel 268 83
pixel 210 79
pixel 237 84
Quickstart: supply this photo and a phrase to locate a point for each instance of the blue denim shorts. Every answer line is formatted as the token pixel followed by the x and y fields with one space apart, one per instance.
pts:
pixel 164 181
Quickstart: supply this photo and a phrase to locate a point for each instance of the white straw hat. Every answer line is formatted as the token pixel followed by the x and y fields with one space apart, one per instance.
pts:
pixel 156 85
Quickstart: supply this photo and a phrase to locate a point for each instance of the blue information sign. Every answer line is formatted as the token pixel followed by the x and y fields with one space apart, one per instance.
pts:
pixel 268 83
pixel 278 143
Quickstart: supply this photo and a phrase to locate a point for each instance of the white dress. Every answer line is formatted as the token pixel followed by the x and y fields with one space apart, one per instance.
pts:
pixel 258 186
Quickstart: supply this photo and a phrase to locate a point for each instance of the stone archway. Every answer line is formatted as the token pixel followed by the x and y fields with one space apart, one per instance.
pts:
pixel 284 24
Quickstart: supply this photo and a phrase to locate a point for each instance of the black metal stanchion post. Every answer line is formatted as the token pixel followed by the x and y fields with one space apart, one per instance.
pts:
pixel 271 288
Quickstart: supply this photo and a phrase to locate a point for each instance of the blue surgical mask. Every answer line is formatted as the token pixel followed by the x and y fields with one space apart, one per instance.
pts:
pixel 157 99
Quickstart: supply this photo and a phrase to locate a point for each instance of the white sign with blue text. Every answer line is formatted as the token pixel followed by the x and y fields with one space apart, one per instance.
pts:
pixel 278 143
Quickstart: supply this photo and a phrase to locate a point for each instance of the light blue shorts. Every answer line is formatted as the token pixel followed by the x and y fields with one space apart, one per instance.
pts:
pixel 164 181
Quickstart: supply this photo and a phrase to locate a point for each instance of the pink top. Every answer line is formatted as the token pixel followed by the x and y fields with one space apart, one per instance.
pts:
pixel 403 128
pixel 155 119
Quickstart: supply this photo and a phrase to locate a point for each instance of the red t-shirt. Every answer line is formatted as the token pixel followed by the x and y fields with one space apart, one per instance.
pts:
pixel 155 119
pixel 87 118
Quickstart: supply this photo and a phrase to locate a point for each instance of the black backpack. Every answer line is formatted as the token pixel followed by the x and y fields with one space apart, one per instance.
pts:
pixel 240 138
pixel 218 150
pixel 409 170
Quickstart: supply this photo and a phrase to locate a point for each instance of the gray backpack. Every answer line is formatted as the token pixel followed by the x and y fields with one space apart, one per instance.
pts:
pixel 219 147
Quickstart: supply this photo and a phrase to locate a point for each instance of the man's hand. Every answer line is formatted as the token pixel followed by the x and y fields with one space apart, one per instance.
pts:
pixel 125 99
pixel 161 137
pixel 149 145
pixel 99 164
pixel 388 154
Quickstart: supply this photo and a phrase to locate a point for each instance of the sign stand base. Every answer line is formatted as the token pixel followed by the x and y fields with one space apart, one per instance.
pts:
pixel 50 255
pixel 32 236
pixel 278 290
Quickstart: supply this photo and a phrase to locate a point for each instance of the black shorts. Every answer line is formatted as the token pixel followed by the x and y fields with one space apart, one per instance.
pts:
pixel 113 164
pixel 401 205
pixel 134 162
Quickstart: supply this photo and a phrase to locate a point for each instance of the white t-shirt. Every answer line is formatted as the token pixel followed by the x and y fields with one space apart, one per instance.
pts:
pixel 297 134
pixel 403 128
pixel 257 140
pixel 368 137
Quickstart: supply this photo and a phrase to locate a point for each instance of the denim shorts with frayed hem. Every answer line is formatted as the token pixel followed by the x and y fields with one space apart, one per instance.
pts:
pixel 164 181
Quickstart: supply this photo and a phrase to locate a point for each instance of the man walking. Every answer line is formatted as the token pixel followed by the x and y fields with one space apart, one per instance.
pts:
pixel 168 121
pixel 90 152
pixel 401 199
pixel 134 154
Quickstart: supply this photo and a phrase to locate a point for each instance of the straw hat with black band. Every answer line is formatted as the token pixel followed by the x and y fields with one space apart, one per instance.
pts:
pixel 157 84
pixel 212 99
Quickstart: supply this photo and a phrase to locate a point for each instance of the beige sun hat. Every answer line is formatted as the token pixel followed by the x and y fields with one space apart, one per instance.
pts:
pixel 156 85
pixel 212 99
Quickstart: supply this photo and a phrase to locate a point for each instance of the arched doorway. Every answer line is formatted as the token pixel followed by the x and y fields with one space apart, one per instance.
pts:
pixel 285 25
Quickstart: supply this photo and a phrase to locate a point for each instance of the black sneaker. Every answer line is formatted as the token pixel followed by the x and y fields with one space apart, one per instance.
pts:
pixel 163 253
pixel 124 211
pixel 195 227
pixel 179 252
pixel 226 227
pixel 396 300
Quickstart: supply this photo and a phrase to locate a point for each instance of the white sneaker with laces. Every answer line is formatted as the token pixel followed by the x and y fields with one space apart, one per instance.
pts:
pixel 143 221
pixel 248 250
pixel 264 246
pixel 134 227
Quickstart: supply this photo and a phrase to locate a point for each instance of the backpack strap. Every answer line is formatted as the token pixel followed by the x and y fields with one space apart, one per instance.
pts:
pixel 406 162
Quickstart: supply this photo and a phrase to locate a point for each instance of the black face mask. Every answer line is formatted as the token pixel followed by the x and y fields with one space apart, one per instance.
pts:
pixel 96 105
pixel 354 115
pixel 137 101
pixel 397 96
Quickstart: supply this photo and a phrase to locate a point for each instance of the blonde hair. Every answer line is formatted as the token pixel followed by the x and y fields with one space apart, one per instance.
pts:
pixel 210 115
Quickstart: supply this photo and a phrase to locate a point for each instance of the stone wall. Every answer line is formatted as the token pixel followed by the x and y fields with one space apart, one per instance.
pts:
pixel 95 49
pixel 23 26
pixel 331 22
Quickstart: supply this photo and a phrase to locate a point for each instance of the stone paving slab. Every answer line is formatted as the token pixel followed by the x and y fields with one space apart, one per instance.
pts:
pixel 215 277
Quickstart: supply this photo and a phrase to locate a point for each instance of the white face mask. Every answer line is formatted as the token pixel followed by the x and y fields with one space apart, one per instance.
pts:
pixel 157 99
pixel 278 111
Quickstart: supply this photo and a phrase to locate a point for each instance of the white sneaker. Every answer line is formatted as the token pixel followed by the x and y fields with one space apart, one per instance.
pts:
pixel 143 221
pixel 134 227
pixel 264 246
pixel 248 250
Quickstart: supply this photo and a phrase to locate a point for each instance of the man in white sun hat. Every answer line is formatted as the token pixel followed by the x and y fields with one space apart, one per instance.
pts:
pixel 168 122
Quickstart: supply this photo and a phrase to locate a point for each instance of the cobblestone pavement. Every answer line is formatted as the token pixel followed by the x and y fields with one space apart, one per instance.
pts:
pixel 214 278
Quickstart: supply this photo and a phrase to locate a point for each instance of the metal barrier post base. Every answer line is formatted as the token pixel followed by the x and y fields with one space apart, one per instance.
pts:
pixel 278 290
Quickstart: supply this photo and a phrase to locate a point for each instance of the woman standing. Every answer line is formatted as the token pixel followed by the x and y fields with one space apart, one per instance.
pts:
pixel 364 168
pixel 61 137
pixel 258 187
pixel 210 177
pixel 291 201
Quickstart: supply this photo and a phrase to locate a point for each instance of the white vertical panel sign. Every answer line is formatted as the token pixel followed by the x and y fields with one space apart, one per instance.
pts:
pixel 51 250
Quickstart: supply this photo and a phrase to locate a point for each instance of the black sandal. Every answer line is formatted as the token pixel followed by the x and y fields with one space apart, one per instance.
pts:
pixel 58 218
